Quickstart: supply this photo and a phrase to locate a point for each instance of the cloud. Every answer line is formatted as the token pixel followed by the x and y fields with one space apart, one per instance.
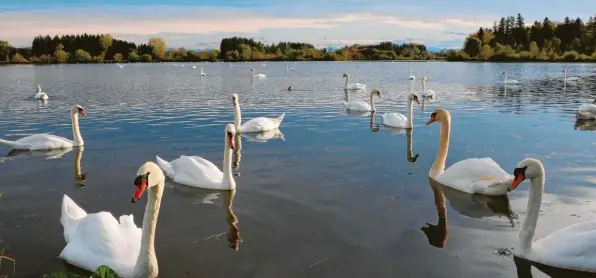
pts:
pixel 201 25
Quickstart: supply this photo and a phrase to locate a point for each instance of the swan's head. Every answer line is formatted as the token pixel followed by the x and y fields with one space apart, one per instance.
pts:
pixel 504 73
pixel 252 69
pixel 38 88
pixel 439 115
pixel 413 97
pixel 345 75
pixel 235 99
pixel 148 175
pixel 77 109
pixel 290 88
pixel 424 79
pixel 230 133
pixel 375 92
pixel 528 168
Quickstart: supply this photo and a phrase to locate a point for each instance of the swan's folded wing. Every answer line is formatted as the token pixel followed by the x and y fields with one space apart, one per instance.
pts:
pixel 196 171
pixel 573 247
pixel 101 240
pixel 45 141
pixel 588 107
pixel 476 175
pixel 395 119
pixel 259 124
pixel 71 215
pixel 357 106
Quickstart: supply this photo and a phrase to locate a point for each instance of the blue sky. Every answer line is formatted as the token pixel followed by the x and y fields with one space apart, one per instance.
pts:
pixel 202 24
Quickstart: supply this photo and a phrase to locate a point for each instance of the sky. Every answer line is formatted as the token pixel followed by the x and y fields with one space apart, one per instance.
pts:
pixel 198 24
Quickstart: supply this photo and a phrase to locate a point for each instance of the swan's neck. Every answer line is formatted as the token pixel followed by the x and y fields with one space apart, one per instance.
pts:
pixel 594 102
pixel 237 151
pixel 411 85
pixel 372 102
pixel 505 77
pixel 423 86
pixel 347 81
pixel 253 74
pixel 76 133
pixel 228 177
pixel 146 265
pixel 565 76
pixel 526 236
pixel 237 116
pixel 439 164
pixel 410 113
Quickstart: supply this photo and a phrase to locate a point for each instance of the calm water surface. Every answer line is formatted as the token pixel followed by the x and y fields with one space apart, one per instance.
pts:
pixel 337 197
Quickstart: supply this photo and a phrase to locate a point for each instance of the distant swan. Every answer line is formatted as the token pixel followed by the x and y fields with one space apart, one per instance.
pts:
pixel 427 93
pixel 198 172
pixel 47 141
pixel 570 79
pixel 259 76
pixel 40 95
pixel 412 77
pixel 353 86
pixel 259 124
pixel 202 72
pixel 573 247
pixel 398 119
pixel 97 239
pixel 289 69
pixel 587 111
pixel 509 81
pixel 361 106
pixel 231 64
pixel 472 175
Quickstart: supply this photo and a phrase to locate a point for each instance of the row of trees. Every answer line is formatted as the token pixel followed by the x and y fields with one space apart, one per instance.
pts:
pixel 88 48
pixel 512 39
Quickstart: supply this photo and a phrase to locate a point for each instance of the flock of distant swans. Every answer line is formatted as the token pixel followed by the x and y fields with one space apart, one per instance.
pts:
pixel 99 239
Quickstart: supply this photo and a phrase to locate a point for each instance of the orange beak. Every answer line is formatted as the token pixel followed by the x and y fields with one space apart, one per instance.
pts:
pixel 231 142
pixel 516 181
pixel 139 191
pixel 432 119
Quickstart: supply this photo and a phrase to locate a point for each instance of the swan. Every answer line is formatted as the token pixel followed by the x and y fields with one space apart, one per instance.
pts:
pixel 97 239
pixel 412 77
pixel 199 172
pixel 194 67
pixel 231 64
pixel 289 69
pixel 202 72
pixel 427 93
pixel 472 175
pixel 509 81
pixel 398 119
pixel 119 65
pixel 40 95
pixel 573 247
pixel 47 141
pixel 570 79
pixel 587 111
pixel 259 76
pixel 259 124
pixel 361 106
pixel 353 86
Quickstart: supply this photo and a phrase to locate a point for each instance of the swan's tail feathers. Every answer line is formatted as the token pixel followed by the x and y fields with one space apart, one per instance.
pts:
pixel 165 166
pixel 71 215
pixel 280 118
pixel 12 144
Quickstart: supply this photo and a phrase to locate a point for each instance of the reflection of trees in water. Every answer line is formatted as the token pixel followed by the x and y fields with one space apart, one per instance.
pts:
pixel 471 205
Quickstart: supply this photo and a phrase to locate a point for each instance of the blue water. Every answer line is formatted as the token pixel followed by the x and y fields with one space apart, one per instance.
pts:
pixel 337 197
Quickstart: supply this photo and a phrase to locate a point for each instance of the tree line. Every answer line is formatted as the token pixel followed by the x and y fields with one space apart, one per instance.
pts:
pixel 510 39
pixel 99 48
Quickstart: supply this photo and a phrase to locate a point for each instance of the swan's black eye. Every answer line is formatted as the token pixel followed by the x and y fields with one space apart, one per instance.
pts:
pixel 434 114
pixel 517 172
pixel 230 134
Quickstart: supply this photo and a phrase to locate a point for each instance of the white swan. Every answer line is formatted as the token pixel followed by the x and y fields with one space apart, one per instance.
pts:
pixel 587 111
pixel 570 79
pixel 194 67
pixel 427 93
pixel 97 239
pixel 472 175
pixel 412 77
pixel 259 124
pixel 361 106
pixel 202 72
pixel 40 95
pixel 47 141
pixel 231 64
pixel 259 76
pixel 509 81
pixel 573 247
pixel 289 69
pixel 353 86
pixel 199 172
pixel 119 65
pixel 398 119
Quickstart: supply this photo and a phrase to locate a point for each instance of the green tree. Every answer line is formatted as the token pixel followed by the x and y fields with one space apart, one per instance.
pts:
pixel 534 50
pixel 473 46
pixel 5 50
pixel 18 58
pixel 245 52
pixel 105 41
pixel 82 56
pixel 158 46
pixel 133 56
pixel 146 58
pixel 487 52
pixel 118 57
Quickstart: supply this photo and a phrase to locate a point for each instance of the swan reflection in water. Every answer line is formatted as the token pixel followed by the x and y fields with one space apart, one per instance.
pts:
pixel 234 238
pixel 264 136
pixel 48 154
pixel 524 270
pixel 471 205
pixel 585 125
pixel 79 178
pixel 371 123
pixel 237 155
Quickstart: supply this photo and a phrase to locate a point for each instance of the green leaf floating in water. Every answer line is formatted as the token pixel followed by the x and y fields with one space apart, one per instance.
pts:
pixel 104 272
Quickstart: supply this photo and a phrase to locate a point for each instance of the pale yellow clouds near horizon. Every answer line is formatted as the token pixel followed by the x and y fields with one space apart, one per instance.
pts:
pixel 193 26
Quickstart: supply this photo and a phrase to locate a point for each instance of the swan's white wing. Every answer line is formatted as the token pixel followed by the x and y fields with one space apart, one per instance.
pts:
pixel 71 216
pixel 44 141
pixel 395 119
pixel 586 112
pixel 429 94
pixel 573 247
pixel 476 175
pixel 101 240
pixel 356 86
pixel 357 106
pixel 259 124
pixel 588 107
pixel 196 171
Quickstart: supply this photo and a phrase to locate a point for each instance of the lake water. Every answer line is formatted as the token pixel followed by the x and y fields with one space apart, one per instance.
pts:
pixel 337 197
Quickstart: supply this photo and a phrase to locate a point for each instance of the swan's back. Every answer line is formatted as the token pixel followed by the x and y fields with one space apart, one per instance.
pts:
pixel 71 216
pixel 476 175
pixel 260 124
pixel 196 171
pixel 44 141
pixel 573 247
pixel 395 119
pixel 357 105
